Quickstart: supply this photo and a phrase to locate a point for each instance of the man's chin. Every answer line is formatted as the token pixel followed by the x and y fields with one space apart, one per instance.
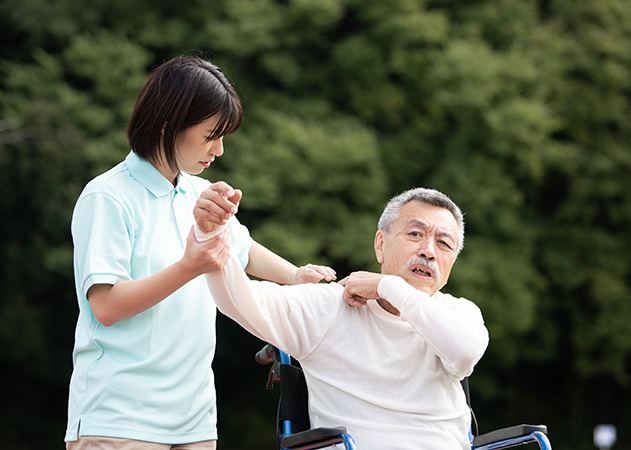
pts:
pixel 427 286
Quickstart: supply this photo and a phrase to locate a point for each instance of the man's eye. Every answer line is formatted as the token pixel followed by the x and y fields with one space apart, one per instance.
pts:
pixel 445 244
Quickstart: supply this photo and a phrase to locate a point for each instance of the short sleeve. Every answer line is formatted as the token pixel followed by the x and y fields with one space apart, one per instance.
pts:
pixel 102 236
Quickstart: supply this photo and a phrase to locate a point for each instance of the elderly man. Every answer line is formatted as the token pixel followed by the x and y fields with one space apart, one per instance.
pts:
pixel 388 366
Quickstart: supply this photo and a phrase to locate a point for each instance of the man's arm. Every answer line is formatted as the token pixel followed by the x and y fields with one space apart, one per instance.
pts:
pixel 293 318
pixel 453 327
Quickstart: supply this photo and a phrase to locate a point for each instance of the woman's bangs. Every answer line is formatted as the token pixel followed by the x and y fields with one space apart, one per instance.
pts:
pixel 229 120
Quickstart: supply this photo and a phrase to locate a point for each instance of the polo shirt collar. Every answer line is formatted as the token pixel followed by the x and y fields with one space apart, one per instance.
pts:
pixel 146 174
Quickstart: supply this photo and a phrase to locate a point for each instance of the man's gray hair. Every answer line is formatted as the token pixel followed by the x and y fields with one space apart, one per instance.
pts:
pixel 429 196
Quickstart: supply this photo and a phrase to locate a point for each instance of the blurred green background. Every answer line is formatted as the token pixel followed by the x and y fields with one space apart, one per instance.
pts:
pixel 517 109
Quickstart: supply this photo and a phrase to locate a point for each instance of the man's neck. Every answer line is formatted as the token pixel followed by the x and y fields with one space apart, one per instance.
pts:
pixel 388 307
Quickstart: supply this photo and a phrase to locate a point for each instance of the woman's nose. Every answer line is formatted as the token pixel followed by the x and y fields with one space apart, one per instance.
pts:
pixel 216 147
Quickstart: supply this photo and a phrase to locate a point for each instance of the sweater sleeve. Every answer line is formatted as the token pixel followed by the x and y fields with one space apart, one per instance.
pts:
pixel 453 327
pixel 293 318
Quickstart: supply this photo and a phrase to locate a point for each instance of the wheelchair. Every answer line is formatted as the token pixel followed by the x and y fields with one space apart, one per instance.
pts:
pixel 294 431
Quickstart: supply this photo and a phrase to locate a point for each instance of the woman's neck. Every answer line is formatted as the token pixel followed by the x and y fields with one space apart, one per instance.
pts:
pixel 166 171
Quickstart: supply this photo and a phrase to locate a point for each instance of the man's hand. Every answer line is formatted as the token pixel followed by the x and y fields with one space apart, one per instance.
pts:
pixel 313 274
pixel 359 287
pixel 215 206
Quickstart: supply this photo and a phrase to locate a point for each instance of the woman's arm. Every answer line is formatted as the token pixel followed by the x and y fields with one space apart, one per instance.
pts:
pixel 213 209
pixel 267 265
pixel 113 303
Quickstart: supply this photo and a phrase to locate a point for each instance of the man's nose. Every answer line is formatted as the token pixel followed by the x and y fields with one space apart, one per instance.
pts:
pixel 426 249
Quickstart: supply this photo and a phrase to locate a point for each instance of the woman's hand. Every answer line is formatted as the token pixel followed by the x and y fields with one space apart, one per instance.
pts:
pixel 215 206
pixel 113 303
pixel 208 256
pixel 313 274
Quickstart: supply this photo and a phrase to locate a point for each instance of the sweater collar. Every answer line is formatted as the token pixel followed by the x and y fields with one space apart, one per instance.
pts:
pixel 381 313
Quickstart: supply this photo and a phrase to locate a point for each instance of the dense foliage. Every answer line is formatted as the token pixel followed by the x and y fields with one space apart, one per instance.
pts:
pixel 517 109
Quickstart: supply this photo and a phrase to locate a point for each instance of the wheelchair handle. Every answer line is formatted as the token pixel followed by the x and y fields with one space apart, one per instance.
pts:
pixel 265 355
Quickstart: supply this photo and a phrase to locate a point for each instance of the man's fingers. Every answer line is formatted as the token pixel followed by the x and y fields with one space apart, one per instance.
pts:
pixel 358 303
pixel 356 292
pixel 362 285
pixel 354 300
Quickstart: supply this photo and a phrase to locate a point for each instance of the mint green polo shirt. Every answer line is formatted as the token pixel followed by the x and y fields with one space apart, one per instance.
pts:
pixel 148 377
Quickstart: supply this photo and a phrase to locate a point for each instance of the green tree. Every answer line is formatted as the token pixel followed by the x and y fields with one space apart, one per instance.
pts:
pixel 516 109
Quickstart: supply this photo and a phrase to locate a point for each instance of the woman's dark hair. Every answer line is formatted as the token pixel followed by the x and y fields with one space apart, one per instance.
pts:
pixel 181 93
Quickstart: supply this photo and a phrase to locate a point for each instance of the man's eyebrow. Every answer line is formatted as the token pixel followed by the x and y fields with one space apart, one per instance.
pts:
pixel 446 235
pixel 419 223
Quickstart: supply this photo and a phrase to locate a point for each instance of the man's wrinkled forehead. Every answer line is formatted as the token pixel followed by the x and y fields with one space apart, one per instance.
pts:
pixel 442 232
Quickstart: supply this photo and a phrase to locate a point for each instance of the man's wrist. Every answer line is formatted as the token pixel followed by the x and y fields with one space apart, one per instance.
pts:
pixel 382 286
pixel 201 236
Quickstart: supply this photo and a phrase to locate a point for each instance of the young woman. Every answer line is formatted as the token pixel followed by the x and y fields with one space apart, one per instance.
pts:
pixel 145 335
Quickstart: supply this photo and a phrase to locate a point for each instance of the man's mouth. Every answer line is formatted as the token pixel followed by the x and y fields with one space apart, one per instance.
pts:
pixel 423 268
pixel 422 271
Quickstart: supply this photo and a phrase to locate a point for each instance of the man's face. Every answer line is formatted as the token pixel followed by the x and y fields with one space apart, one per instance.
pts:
pixel 421 246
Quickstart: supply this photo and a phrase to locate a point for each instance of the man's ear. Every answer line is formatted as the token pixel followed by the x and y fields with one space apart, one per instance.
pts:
pixel 379 240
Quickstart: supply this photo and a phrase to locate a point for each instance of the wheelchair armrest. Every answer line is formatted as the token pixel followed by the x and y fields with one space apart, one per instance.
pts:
pixel 314 438
pixel 507 433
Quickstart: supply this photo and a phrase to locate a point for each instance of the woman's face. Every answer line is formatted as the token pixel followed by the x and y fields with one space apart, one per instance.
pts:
pixel 194 151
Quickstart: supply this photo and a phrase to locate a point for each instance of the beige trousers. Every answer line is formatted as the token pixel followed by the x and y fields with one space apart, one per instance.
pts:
pixel 109 443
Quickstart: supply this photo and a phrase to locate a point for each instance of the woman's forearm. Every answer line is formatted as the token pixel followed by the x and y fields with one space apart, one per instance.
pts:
pixel 113 303
pixel 267 265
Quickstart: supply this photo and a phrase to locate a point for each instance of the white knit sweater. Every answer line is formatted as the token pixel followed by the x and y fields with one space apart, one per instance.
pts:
pixel 393 382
